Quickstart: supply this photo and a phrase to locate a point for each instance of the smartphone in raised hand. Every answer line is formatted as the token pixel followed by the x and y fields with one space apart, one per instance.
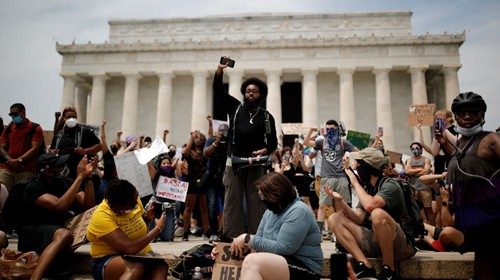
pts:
pixel 226 60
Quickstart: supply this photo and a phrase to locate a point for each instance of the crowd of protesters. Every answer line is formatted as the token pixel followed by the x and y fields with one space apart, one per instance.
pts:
pixel 456 186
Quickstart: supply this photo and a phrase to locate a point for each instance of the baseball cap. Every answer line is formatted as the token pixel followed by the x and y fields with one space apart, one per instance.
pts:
pixel 52 160
pixel 373 157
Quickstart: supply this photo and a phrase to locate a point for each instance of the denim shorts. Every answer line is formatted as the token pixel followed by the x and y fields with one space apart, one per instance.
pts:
pixel 98 266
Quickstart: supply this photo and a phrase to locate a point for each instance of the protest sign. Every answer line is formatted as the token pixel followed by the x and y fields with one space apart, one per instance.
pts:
pixel 294 129
pixel 394 157
pixel 129 168
pixel 216 124
pixel 146 154
pixel 227 266
pixel 78 225
pixel 360 140
pixel 172 188
pixel 421 114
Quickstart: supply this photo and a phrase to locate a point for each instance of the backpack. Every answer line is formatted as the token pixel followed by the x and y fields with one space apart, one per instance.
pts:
pixel 29 135
pixel 199 255
pixel 412 225
pixel 15 211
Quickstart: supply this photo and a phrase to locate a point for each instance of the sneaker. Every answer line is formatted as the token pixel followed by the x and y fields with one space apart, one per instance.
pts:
pixel 386 273
pixel 196 231
pixel 185 236
pixel 213 238
pixel 179 231
pixel 362 270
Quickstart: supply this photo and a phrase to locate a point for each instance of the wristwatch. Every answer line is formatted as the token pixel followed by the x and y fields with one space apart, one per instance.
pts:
pixel 444 203
pixel 247 238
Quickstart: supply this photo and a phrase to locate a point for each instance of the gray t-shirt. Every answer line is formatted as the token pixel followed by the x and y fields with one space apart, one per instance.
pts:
pixel 331 164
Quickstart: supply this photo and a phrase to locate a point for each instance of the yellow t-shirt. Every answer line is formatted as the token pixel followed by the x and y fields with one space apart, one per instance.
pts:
pixel 104 221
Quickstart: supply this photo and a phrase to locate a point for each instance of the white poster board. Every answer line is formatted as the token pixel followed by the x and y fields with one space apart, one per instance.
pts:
pixel 129 168
pixel 216 124
pixel 295 128
pixel 172 188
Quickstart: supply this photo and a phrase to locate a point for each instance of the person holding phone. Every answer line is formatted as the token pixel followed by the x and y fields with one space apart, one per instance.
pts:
pixel 252 133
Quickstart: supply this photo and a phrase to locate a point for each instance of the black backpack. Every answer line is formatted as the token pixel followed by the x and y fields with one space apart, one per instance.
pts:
pixel 199 255
pixel 412 225
pixel 15 211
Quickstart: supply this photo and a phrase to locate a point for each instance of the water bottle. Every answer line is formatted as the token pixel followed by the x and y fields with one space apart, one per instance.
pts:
pixel 197 274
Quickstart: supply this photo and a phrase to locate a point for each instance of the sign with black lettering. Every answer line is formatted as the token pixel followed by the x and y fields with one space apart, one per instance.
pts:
pixel 78 225
pixel 228 266
pixel 421 114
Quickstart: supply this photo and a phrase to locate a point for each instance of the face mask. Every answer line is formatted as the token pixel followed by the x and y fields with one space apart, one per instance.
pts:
pixel 364 175
pixel 17 119
pixel 468 132
pixel 171 154
pixel 165 170
pixel 332 135
pixel 114 150
pixel 416 151
pixel 275 208
pixel 71 122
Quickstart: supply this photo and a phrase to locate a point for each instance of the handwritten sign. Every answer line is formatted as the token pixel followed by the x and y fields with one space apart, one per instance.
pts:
pixel 227 266
pixel 129 168
pixel 360 140
pixel 172 188
pixel 78 225
pixel 421 114
pixel 294 128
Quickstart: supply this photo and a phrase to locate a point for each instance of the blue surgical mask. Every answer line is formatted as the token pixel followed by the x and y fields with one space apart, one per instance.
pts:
pixel 17 119
pixel 469 132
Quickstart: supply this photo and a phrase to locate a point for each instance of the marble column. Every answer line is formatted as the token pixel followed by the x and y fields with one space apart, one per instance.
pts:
pixel 419 97
pixel 235 81
pixel 383 105
pixel 97 99
pixel 347 109
pixel 198 109
pixel 164 105
pixel 68 95
pixel 130 104
pixel 81 99
pixel 310 97
pixel 450 84
pixel 273 79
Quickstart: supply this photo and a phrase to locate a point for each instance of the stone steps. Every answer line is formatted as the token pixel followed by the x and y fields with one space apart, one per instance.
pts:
pixel 424 265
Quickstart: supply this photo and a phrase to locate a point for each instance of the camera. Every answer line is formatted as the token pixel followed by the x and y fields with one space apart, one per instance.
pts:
pixel 225 60
pixel 161 207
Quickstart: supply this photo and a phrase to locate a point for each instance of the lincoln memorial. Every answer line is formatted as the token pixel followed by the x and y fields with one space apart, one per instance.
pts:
pixel 365 69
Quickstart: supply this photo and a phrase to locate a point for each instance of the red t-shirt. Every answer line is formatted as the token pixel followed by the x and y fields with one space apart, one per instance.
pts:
pixel 18 144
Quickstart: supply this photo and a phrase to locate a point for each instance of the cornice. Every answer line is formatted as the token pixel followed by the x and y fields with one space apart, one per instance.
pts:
pixel 228 44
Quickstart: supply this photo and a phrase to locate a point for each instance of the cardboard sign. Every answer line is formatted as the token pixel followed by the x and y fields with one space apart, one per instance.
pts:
pixel 227 266
pixel 78 225
pixel 421 114
pixel 294 128
pixel 129 168
pixel 172 188
pixel 360 140
pixel 395 157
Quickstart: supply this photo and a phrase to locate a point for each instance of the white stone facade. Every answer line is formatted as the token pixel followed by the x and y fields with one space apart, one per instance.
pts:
pixel 365 69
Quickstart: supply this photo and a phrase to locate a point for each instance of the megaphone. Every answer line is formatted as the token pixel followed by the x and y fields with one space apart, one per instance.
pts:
pixel 241 162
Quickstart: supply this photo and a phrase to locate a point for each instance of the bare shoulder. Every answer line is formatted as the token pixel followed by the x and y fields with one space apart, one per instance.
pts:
pixel 489 147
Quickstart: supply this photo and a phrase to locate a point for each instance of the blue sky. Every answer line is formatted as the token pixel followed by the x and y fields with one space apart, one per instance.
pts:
pixel 29 29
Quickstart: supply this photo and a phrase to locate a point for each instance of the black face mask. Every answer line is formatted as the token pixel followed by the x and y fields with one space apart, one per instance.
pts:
pixel 114 149
pixel 364 174
pixel 171 154
pixel 275 208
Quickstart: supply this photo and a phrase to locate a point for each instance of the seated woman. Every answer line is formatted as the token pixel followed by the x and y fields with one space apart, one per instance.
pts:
pixel 117 228
pixel 288 240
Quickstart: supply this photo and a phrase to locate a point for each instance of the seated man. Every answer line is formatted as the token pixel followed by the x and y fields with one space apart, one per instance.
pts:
pixel 373 229
pixel 47 201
